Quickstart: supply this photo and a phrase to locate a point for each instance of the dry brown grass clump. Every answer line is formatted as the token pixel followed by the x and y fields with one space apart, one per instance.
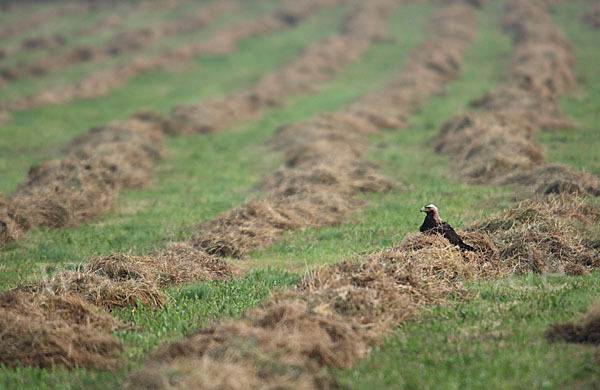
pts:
pixel 586 330
pixel 283 343
pixel 485 147
pixel 120 280
pixel 61 193
pixel 43 329
pixel 435 62
pixel 60 321
pixel 524 107
pixel 549 235
pixel 13 223
pixel 122 43
pixel 497 146
pixel 556 179
pixel 258 223
pixel 80 186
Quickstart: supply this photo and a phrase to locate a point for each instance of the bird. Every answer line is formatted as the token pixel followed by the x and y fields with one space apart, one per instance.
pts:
pixel 433 224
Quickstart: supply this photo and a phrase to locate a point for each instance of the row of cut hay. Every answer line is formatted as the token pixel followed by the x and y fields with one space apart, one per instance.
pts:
pixel 120 280
pixel 80 186
pixel 36 17
pixel 113 20
pixel 125 42
pixel 498 145
pixel 61 321
pixel 340 312
pixel 46 330
pixel 323 171
pixel 222 42
pixel 592 16
pixel 318 63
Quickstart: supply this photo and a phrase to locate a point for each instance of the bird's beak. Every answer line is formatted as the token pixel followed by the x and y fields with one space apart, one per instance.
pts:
pixel 422 209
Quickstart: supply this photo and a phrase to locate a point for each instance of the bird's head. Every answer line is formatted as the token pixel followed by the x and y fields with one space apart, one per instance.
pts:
pixel 430 209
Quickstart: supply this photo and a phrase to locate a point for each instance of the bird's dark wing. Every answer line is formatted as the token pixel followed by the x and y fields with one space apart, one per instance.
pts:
pixel 450 234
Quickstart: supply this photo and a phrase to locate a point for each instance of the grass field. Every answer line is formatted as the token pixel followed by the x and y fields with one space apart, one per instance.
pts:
pixel 493 340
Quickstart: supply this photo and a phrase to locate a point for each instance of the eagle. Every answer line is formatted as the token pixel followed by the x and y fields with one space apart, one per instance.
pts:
pixel 433 224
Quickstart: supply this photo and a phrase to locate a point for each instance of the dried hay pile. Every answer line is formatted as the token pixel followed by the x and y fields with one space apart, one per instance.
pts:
pixel 322 170
pixel 12 223
pixel 586 330
pixel 556 179
pixel 51 41
pixel 122 280
pixel 435 62
pixel 485 147
pixel 43 329
pixel 80 186
pixel 549 235
pixel 60 321
pixel 336 315
pixel 497 146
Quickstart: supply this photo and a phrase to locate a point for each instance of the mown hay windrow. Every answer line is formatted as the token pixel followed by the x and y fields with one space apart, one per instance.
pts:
pixel 586 330
pixel 120 280
pixel 60 321
pixel 43 329
pixel 497 146
pixel 556 179
pixel 551 235
pixel 80 186
pixel 485 147
pixel 223 41
pixel 13 222
pixel 122 43
pixel 524 107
